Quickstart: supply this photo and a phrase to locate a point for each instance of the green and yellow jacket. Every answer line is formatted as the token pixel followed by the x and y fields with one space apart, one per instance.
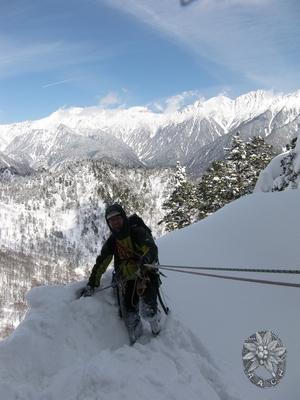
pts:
pixel 129 252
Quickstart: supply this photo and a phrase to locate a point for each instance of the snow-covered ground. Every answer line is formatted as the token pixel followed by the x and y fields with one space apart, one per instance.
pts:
pixel 68 348
pixel 260 231
pixel 283 172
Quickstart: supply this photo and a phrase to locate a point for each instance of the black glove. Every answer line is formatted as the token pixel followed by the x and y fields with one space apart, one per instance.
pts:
pixel 87 291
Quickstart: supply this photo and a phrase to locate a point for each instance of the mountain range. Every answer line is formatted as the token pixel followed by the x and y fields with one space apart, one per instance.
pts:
pixel 194 135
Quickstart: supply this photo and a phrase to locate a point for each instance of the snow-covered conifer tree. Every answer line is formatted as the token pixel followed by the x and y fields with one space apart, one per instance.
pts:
pixel 178 206
pixel 259 154
pixel 236 175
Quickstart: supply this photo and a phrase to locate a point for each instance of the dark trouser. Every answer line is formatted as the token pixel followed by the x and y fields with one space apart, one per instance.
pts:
pixel 129 299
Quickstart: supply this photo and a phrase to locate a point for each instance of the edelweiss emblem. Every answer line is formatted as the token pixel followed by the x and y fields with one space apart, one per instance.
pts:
pixel 264 349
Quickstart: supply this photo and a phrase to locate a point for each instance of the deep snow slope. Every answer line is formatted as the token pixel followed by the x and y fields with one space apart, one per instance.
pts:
pixel 70 348
pixel 261 231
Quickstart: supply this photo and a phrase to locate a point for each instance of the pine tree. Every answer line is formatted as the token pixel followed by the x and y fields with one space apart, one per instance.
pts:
pixel 178 206
pixel 237 166
pixel 215 189
pixel 259 154
pixel 246 161
pixel 236 175
pixel 225 181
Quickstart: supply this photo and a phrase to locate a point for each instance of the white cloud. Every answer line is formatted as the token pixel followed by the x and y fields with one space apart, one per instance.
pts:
pixel 256 39
pixel 176 102
pixel 110 99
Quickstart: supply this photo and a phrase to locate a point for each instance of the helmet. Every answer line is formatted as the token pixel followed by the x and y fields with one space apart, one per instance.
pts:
pixel 114 209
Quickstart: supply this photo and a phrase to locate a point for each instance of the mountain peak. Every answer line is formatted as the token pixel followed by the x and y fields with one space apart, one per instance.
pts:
pixel 162 138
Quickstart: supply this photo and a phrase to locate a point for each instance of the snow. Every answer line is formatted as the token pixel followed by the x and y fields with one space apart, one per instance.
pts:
pixel 68 348
pixel 273 174
pixel 297 150
pixel 259 231
pixel 269 174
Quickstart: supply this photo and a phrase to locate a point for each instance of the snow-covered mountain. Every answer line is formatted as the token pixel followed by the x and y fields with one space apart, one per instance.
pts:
pixel 48 148
pixel 13 166
pixel 155 138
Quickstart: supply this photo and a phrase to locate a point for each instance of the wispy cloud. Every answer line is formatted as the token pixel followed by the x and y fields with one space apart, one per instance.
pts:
pixel 20 57
pixel 257 39
pixel 57 83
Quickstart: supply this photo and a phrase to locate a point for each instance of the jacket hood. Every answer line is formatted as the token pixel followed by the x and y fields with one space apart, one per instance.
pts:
pixel 116 209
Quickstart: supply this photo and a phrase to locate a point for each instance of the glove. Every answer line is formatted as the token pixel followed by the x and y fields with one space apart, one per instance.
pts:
pixel 150 266
pixel 141 268
pixel 87 291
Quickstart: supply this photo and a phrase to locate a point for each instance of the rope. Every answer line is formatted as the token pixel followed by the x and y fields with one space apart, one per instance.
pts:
pixel 272 271
pixel 162 303
pixel 142 285
pixel 297 285
pixel 133 292
pixel 113 285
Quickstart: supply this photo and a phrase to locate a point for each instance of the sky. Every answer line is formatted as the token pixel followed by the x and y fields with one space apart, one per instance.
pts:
pixel 122 53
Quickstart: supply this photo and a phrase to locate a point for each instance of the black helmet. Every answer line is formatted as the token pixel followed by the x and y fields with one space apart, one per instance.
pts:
pixel 114 209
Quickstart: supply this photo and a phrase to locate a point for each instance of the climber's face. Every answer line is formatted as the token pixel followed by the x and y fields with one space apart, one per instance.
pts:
pixel 116 223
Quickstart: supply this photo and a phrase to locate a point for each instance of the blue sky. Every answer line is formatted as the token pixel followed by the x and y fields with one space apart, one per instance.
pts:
pixel 116 53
